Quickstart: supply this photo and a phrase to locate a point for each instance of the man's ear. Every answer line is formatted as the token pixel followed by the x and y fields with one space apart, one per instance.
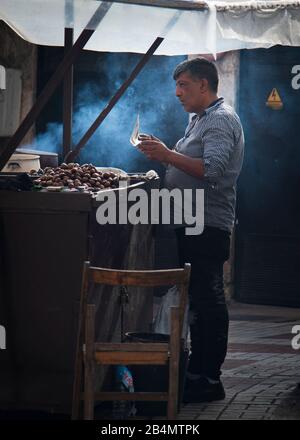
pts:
pixel 204 86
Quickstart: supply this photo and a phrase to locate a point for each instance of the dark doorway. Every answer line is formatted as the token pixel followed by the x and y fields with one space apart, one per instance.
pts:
pixel 268 209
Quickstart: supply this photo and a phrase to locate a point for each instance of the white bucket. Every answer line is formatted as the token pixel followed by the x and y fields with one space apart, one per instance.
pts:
pixel 22 163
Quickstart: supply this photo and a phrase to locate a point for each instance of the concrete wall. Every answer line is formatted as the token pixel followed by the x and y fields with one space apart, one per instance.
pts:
pixel 228 65
pixel 17 53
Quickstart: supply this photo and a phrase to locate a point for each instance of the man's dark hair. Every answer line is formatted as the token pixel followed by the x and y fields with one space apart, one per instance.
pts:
pixel 199 68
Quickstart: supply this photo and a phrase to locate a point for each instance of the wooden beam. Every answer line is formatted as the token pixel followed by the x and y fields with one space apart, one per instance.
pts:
pixel 169 4
pixel 53 83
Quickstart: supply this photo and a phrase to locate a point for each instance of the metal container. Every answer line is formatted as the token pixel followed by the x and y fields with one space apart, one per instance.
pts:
pixel 22 163
pixel 47 159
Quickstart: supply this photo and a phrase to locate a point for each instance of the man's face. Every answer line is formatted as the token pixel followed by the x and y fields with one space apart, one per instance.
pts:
pixel 190 92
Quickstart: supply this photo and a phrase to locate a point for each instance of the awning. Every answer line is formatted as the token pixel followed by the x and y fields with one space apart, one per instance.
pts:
pixel 219 27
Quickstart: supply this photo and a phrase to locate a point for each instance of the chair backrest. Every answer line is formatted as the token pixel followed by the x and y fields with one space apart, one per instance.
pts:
pixel 142 278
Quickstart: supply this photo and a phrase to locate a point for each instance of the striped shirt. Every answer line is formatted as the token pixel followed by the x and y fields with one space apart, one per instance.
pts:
pixel 216 136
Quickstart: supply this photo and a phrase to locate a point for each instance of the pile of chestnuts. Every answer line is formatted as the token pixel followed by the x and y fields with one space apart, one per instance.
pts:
pixel 74 176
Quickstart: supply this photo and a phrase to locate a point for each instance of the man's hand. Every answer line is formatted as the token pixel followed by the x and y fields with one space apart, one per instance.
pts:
pixel 153 148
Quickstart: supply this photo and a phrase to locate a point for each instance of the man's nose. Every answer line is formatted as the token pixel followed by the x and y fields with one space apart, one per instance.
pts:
pixel 178 92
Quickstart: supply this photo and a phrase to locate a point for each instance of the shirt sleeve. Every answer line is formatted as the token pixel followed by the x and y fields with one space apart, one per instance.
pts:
pixel 218 143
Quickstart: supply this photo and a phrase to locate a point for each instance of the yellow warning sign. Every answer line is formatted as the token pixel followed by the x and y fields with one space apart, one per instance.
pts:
pixel 274 100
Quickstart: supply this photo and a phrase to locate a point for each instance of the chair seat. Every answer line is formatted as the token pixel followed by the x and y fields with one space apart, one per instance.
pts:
pixel 131 358
pixel 158 396
pixel 131 353
pixel 131 346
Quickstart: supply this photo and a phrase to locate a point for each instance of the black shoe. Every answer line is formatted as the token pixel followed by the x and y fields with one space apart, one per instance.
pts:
pixel 201 390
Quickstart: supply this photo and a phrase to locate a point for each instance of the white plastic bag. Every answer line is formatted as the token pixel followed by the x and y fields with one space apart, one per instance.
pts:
pixel 162 322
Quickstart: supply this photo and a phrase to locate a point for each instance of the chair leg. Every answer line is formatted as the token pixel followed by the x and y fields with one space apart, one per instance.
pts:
pixel 77 384
pixel 89 371
pixel 174 364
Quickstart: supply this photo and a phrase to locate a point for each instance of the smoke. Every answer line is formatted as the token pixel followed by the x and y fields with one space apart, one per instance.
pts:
pixel 152 95
pixel 49 140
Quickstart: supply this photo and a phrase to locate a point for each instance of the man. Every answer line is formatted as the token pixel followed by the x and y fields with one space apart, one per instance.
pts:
pixel 208 157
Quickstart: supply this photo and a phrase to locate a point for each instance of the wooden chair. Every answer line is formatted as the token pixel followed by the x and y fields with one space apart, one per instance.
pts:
pixel 89 352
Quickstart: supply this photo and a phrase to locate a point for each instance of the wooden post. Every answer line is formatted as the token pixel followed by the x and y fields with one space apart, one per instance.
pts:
pixel 68 97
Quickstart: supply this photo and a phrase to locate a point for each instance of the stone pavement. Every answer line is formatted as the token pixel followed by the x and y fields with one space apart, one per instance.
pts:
pixel 261 372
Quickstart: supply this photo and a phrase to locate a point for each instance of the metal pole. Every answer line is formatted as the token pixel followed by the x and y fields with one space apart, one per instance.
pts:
pixel 169 4
pixel 68 97
pixel 98 121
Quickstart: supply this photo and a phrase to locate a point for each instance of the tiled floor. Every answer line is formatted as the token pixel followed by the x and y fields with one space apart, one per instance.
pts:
pixel 261 371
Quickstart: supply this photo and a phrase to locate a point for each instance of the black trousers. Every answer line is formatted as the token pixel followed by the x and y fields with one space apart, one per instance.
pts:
pixel 209 329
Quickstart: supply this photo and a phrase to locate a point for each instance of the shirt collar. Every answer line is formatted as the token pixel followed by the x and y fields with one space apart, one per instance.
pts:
pixel 214 105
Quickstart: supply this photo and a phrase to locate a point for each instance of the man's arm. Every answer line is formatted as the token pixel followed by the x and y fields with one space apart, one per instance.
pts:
pixel 154 149
pixel 190 165
pixel 218 142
